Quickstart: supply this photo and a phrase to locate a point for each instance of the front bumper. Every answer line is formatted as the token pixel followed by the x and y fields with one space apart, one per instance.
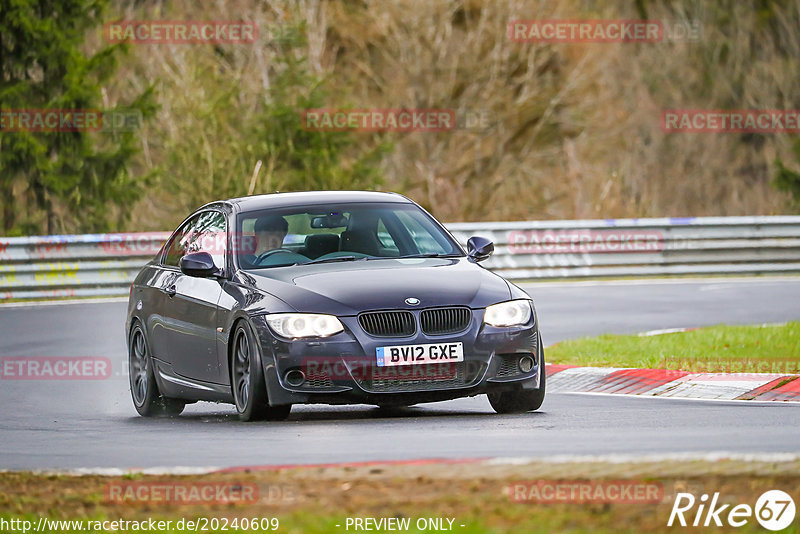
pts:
pixel 342 369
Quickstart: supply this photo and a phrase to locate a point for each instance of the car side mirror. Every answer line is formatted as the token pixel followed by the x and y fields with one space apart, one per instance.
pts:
pixel 198 264
pixel 479 248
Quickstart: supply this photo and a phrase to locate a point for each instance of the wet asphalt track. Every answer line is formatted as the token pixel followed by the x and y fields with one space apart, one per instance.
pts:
pixel 70 424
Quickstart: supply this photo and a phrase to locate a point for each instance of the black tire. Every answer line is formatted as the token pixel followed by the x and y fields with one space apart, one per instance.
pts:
pixel 521 401
pixel 247 379
pixel 144 391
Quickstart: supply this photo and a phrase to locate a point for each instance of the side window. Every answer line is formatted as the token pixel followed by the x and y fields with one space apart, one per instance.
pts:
pixel 176 248
pixel 210 235
pixel 207 232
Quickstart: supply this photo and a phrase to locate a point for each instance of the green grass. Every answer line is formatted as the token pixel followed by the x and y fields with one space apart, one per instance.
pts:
pixel 476 497
pixel 765 349
pixel 530 519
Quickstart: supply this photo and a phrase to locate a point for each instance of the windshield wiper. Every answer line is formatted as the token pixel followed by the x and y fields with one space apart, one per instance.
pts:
pixel 429 255
pixel 331 260
pixel 256 267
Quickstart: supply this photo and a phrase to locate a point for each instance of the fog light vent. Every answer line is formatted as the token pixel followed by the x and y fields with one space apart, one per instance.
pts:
pixel 526 364
pixel 294 378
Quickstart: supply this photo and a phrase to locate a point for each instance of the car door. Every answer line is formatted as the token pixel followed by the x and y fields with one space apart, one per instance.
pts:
pixel 191 305
pixel 160 292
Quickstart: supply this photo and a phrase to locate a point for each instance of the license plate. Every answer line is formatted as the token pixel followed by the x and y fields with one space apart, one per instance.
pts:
pixel 420 354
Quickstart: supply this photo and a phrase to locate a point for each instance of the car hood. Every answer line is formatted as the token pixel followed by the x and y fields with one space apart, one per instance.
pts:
pixel 353 287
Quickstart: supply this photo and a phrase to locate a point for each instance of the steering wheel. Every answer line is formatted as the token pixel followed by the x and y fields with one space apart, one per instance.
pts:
pixel 269 253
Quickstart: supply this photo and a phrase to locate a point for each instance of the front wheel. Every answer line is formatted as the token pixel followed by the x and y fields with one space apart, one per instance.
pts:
pixel 520 401
pixel 247 380
pixel 146 398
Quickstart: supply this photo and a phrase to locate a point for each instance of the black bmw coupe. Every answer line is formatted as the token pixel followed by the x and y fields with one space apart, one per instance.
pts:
pixel 329 297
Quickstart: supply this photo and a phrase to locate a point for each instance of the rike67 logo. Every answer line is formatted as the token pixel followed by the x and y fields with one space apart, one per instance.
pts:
pixel 774 510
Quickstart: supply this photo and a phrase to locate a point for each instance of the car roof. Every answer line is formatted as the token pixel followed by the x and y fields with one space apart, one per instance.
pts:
pixel 280 200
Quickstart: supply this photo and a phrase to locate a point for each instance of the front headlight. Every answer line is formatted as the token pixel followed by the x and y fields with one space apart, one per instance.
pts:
pixel 294 325
pixel 510 313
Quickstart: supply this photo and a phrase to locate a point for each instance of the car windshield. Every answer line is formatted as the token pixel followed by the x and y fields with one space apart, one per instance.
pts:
pixel 339 233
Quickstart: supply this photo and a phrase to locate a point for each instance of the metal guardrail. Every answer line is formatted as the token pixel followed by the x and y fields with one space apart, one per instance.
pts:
pixel 105 264
pixel 640 247
pixel 74 265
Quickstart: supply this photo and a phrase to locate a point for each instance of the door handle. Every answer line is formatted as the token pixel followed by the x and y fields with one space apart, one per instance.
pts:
pixel 170 291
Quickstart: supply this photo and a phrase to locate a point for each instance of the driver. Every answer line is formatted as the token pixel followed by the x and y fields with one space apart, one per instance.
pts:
pixel 270 232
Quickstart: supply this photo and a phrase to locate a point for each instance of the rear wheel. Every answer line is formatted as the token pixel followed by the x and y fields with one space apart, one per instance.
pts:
pixel 247 380
pixel 146 398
